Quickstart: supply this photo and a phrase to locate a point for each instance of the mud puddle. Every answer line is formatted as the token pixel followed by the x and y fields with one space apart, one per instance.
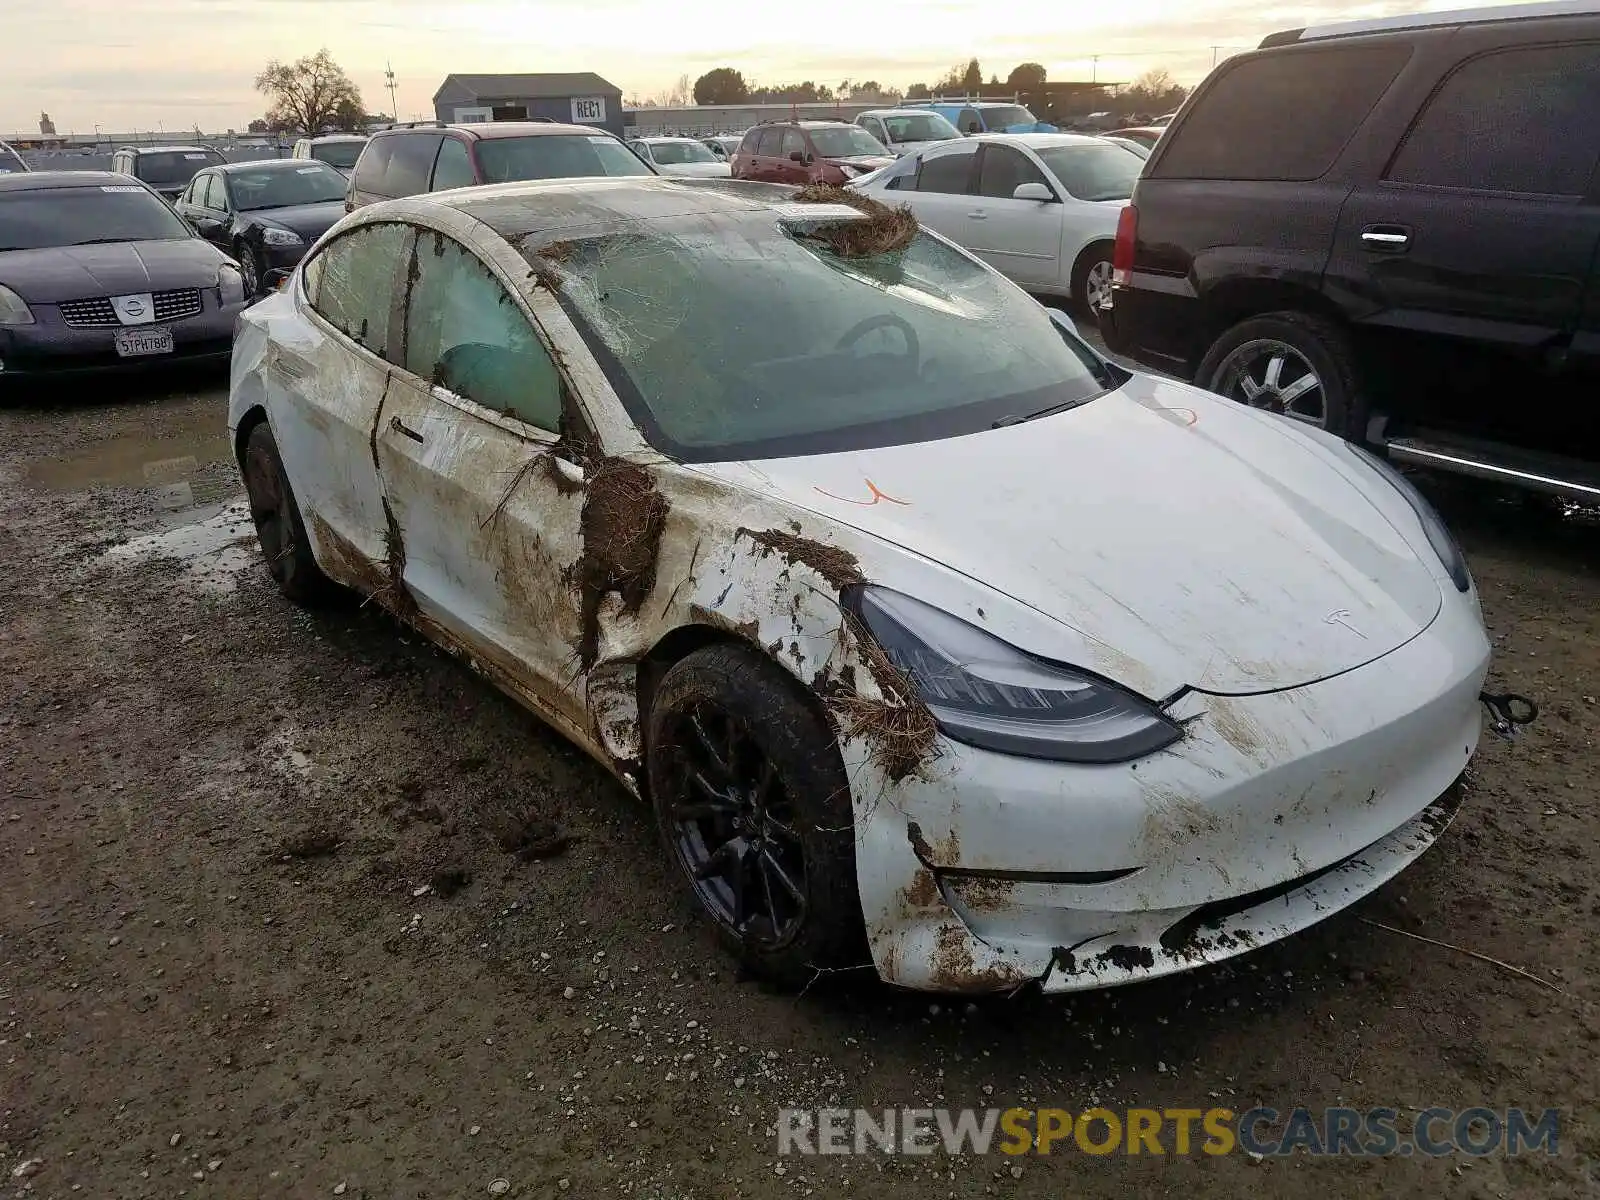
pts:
pixel 214 552
pixel 182 459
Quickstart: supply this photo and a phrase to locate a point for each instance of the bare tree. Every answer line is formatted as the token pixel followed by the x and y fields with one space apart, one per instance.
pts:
pixel 307 94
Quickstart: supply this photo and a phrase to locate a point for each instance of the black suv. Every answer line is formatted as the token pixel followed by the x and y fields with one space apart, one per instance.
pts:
pixel 166 169
pixel 1391 229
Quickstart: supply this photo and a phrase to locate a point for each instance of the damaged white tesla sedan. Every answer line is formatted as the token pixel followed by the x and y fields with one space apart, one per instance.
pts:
pixel 933 639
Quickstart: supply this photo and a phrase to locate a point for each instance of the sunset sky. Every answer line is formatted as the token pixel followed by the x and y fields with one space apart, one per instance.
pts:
pixel 143 64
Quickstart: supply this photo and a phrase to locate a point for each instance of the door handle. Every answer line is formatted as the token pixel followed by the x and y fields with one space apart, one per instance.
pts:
pixel 980 215
pixel 404 430
pixel 1386 237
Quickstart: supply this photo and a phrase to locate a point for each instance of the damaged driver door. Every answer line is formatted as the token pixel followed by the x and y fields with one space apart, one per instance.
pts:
pixel 326 375
pixel 487 512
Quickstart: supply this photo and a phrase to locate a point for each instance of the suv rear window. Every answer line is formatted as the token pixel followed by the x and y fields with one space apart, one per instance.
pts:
pixel 1283 116
pixel 168 168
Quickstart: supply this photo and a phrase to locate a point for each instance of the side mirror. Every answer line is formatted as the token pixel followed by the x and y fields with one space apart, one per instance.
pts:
pixel 796 156
pixel 1033 191
pixel 274 279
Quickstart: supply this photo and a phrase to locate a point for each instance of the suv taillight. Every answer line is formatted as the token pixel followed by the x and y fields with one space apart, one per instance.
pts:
pixel 1122 252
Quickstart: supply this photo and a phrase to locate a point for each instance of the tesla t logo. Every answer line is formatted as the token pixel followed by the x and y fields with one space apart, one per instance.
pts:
pixel 1341 616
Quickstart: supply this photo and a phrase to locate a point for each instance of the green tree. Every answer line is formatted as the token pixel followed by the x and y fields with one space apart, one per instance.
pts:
pixel 972 77
pixel 1026 77
pixel 722 85
pixel 306 94
pixel 349 116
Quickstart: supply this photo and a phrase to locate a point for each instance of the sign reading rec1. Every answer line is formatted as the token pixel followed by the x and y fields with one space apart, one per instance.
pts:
pixel 588 110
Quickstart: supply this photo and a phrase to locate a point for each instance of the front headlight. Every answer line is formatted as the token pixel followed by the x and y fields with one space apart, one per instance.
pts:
pixel 281 237
pixel 987 693
pixel 1438 533
pixel 12 309
pixel 230 284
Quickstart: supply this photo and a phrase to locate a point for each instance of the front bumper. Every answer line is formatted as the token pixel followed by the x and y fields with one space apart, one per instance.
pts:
pixel 1272 813
pixel 52 348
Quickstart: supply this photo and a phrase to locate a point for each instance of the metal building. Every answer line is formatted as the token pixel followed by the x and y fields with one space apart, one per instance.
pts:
pixel 580 97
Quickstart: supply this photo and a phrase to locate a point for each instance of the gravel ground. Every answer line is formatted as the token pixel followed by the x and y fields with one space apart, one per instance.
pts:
pixel 265 929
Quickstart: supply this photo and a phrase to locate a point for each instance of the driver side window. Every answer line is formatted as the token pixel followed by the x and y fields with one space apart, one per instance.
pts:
pixel 793 140
pixel 351 283
pixel 1005 169
pixel 465 333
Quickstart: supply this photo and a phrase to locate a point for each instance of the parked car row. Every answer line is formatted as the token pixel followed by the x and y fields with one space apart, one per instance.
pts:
pixel 1041 208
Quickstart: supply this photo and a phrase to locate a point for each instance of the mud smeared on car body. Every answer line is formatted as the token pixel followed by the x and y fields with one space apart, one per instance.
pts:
pixel 623 519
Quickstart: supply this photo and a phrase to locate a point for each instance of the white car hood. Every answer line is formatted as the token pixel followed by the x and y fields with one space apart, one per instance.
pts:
pixel 1211 544
pixel 701 170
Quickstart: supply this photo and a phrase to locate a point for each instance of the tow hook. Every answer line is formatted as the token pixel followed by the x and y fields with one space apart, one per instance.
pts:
pixel 1508 712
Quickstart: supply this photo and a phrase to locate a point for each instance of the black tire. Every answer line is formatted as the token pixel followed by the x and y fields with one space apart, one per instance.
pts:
pixel 803 827
pixel 279 528
pixel 1094 257
pixel 1322 344
pixel 254 269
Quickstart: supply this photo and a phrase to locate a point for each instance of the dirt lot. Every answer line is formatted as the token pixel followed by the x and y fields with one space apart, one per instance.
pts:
pixel 220 973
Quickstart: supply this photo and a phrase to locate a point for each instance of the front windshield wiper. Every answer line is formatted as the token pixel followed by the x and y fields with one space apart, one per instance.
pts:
pixel 1019 418
pixel 107 241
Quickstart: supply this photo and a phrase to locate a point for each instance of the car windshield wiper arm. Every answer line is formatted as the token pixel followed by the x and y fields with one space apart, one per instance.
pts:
pixel 1019 418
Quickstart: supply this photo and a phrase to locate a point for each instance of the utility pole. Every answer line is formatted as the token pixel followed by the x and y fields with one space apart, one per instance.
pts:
pixel 388 77
pixel 1094 70
pixel 1214 50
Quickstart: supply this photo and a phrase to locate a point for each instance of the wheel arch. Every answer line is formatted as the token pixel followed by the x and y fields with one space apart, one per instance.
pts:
pixel 255 414
pixel 1088 247
pixel 677 644
pixel 1231 301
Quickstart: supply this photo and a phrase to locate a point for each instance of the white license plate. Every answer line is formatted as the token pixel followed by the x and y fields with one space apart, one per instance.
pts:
pixel 131 343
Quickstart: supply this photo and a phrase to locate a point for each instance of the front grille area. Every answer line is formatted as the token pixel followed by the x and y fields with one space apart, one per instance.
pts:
pixel 176 305
pixel 98 313
pixel 89 314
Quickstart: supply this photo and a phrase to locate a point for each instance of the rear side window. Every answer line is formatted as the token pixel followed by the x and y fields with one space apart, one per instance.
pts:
pixel 373 164
pixel 352 282
pixel 465 333
pixel 948 172
pixel 1283 116
pixel 1524 120
pixel 771 142
pixel 411 164
pixel 454 166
